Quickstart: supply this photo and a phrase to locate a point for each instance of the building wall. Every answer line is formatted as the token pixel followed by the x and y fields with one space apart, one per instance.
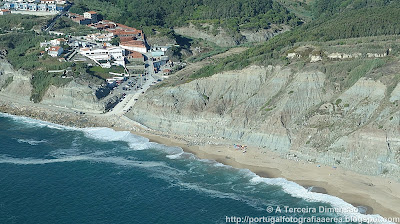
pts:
pixel 134 48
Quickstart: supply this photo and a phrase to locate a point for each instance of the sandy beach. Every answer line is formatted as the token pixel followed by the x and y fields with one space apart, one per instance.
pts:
pixel 381 195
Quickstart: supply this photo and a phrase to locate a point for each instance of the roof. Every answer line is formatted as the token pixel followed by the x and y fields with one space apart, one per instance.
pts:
pixel 56 48
pixel 5 10
pixel 126 39
pixel 92 12
pixel 135 54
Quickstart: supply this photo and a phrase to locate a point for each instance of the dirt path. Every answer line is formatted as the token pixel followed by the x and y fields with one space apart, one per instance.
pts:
pixel 193 67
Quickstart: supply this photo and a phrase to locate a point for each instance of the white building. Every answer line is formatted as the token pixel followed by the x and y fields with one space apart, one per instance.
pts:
pixel 92 15
pixel 134 47
pixel 47 1
pixel 100 37
pixel 5 12
pixel 58 42
pixel 55 51
pixel 115 54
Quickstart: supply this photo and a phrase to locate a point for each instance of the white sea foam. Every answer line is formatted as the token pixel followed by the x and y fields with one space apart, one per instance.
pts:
pixel 298 191
pixel 32 161
pixel 255 203
pixel 109 135
pixel 141 143
pixel 114 160
pixel 31 141
pixel 175 156
pixel 36 123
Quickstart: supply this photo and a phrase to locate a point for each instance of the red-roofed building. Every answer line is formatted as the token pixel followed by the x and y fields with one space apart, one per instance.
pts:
pixel 136 56
pixel 5 12
pixel 92 15
pixel 126 39
pixel 55 51
pixel 79 19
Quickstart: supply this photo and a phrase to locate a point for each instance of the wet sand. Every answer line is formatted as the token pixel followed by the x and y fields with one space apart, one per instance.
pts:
pixel 377 194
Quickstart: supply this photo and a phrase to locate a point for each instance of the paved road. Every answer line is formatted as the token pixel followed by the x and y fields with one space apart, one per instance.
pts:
pixel 53 22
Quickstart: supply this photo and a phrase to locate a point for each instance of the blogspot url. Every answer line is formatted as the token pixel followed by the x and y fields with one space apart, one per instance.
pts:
pixel 311 219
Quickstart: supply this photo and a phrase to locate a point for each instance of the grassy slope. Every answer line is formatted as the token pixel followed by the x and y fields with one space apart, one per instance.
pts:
pixel 362 22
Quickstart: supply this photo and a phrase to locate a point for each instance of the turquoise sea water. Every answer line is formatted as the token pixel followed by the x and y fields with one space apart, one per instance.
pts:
pixel 56 174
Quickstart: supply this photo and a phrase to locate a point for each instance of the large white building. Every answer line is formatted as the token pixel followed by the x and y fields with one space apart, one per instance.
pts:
pixel 115 54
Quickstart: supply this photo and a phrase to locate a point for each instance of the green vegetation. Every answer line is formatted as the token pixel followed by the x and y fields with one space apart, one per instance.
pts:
pixel 231 14
pixel 362 70
pixel 23 52
pixel 322 8
pixel 104 73
pixel 41 81
pixel 350 24
pixel 25 22
pixel 68 26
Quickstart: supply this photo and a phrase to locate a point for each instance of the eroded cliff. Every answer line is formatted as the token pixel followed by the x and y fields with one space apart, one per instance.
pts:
pixel 299 113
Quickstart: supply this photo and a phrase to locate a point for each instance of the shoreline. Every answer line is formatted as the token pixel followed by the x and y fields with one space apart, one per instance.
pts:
pixel 379 195
pixel 355 189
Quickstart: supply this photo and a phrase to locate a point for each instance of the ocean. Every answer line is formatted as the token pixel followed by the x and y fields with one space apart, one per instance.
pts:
pixel 56 174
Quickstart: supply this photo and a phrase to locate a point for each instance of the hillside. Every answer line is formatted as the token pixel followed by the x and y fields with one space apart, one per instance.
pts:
pixel 325 92
pixel 340 111
pixel 363 22
pixel 208 16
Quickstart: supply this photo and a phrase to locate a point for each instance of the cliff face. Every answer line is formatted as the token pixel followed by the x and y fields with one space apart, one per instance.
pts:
pixel 73 95
pixel 16 85
pixel 223 39
pixel 301 114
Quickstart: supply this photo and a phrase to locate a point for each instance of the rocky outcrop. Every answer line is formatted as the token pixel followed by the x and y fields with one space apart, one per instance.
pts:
pixel 262 35
pixel 277 109
pixel 73 95
pixel 221 39
pixel 14 83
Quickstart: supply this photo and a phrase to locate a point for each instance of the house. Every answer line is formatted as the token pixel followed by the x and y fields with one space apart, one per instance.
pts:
pixel 32 7
pixel 135 56
pixel 92 15
pixel 22 6
pixel 58 42
pixel 5 12
pixel 52 7
pixel 9 5
pixel 42 7
pixel 55 51
pixel 79 19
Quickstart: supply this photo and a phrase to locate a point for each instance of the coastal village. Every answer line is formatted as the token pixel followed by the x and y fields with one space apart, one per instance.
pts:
pixel 118 50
